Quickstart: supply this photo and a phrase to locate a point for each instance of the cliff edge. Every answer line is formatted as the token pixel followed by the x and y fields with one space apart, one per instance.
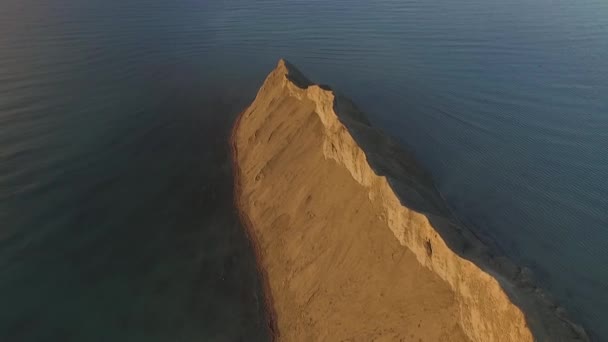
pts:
pixel 355 242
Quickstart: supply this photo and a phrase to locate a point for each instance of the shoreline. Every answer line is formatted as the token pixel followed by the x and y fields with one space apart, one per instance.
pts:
pixel 270 316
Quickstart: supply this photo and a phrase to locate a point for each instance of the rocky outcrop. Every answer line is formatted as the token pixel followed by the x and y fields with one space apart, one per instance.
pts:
pixel 313 177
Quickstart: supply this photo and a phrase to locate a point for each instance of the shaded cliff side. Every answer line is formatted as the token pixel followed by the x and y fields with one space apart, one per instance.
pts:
pixel 354 240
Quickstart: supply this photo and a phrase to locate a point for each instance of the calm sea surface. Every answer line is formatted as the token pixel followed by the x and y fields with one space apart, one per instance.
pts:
pixel 115 188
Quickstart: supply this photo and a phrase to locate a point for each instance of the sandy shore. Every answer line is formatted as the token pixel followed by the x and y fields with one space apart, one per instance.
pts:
pixel 270 314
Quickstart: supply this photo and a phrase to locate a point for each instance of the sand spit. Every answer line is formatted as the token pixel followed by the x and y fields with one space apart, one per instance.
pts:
pixel 353 241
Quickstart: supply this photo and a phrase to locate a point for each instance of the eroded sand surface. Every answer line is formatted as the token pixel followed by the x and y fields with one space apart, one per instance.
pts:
pixel 336 272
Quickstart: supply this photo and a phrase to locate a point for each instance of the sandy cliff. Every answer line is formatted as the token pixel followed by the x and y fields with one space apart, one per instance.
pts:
pixel 354 240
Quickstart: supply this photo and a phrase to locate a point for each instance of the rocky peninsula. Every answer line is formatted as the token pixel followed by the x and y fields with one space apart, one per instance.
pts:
pixel 354 242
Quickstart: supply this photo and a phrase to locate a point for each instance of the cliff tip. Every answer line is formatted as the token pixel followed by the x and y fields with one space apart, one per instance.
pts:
pixel 292 73
pixel 282 63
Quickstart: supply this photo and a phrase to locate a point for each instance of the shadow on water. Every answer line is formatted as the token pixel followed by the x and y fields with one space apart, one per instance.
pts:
pixel 142 242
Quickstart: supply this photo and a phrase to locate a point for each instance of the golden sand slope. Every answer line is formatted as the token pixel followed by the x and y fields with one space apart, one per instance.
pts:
pixel 354 240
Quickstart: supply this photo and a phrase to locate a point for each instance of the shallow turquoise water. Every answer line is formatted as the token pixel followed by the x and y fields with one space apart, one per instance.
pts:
pixel 115 203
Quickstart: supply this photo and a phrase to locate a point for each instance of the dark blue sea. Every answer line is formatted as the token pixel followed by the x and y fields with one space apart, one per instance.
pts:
pixel 116 216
